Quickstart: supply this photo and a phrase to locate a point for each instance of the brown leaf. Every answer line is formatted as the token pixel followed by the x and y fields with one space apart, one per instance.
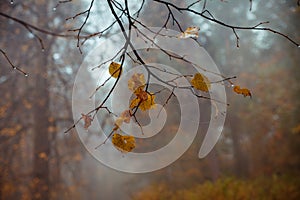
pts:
pixel 87 120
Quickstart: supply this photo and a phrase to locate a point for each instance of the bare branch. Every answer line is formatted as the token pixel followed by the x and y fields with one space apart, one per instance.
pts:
pixel 169 4
pixel 32 27
pixel 192 4
pixel 237 38
pixel 88 11
pixel 166 102
pixel 14 67
pixel 61 2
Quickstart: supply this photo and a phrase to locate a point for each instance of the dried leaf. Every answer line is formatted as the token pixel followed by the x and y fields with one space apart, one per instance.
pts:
pixel 243 91
pixel 190 32
pixel 149 103
pixel 124 143
pixel 200 82
pixel 136 81
pixel 141 94
pixel 87 120
pixel 114 69
pixel 118 123
pixel 145 104
pixel 126 115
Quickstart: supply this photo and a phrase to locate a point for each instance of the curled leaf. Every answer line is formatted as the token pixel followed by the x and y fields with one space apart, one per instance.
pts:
pixel 87 120
pixel 136 81
pixel 200 82
pixel 190 32
pixel 124 143
pixel 114 69
pixel 243 91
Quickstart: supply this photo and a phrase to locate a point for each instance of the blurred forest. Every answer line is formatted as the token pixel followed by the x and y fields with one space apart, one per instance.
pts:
pixel 257 156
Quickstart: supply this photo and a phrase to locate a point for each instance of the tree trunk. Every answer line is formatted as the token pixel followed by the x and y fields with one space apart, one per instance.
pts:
pixel 41 135
pixel 214 165
pixel 241 167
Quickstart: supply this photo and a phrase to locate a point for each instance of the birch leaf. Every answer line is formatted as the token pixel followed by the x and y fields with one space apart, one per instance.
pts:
pixel 114 69
pixel 124 143
pixel 136 81
pixel 200 82
pixel 146 103
pixel 141 94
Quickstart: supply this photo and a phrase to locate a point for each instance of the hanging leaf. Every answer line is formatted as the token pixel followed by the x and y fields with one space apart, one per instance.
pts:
pixel 118 123
pixel 87 120
pixel 190 32
pixel 141 94
pixel 200 82
pixel 136 81
pixel 149 103
pixel 114 69
pixel 146 103
pixel 124 143
pixel 134 103
pixel 243 91
pixel 126 115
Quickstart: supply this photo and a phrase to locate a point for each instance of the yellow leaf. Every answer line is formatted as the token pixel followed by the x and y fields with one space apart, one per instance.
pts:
pixel 114 69
pixel 200 82
pixel 149 103
pixel 141 94
pixel 136 81
pixel 243 91
pixel 134 103
pixel 124 143
pixel 190 32
pixel 87 120
pixel 145 104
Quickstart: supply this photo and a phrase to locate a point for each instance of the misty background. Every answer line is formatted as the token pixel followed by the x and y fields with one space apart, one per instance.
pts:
pixel 257 156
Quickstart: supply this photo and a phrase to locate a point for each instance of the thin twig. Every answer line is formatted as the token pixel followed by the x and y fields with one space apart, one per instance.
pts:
pixel 189 10
pixel 11 64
